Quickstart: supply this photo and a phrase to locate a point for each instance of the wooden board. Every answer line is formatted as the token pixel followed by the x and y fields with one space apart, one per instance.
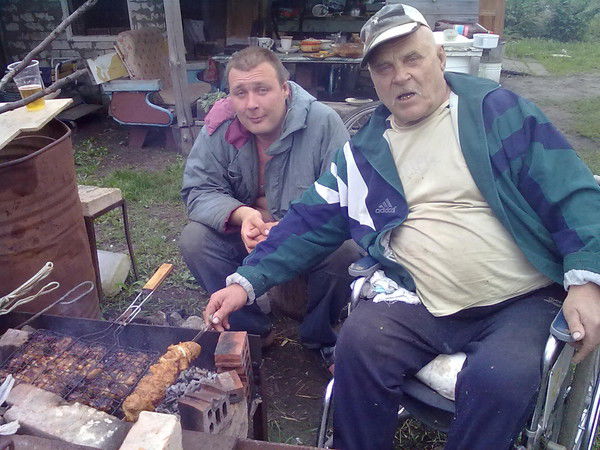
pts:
pixel 14 122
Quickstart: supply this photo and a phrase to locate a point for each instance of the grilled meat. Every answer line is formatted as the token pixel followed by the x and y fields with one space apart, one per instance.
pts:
pixel 150 391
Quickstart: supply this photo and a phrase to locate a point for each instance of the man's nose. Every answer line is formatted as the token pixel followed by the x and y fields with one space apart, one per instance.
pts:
pixel 252 102
pixel 401 75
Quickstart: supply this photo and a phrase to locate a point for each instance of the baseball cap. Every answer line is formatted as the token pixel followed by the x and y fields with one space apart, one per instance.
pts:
pixel 389 22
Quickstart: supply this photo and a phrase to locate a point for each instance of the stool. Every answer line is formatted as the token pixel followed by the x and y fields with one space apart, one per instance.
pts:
pixel 96 201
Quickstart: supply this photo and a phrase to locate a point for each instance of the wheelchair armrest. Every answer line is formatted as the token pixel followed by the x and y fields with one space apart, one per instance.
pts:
pixel 560 329
pixel 364 267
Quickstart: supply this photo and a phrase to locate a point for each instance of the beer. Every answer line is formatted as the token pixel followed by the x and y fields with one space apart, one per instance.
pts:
pixel 30 89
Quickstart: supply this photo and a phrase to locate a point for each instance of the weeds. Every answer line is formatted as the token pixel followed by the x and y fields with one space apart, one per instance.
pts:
pixel 88 157
pixel 587 117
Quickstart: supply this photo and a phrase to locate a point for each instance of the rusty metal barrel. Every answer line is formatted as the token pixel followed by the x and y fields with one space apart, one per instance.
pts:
pixel 41 219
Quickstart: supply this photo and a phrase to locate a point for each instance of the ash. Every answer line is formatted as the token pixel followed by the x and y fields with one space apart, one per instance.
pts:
pixel 189 380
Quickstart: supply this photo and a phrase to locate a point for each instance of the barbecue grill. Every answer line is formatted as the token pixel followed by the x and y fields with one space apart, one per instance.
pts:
pixel 102 373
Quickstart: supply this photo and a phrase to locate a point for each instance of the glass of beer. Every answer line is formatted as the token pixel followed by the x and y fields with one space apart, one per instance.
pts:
pixel 29 81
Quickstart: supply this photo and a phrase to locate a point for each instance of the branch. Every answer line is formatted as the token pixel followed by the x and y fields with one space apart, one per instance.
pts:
pixel 53 87
pixel 42 45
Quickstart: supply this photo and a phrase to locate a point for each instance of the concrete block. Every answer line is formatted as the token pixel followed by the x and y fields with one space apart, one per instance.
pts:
pixel 154 431
pixel 27 17
pixel 27 394
pixel 59 44
pixel 33 26
pixel 206 410
pixel 104 45
pixel 11 27
pixel 10 341
pixel 69 53
pixel 41 413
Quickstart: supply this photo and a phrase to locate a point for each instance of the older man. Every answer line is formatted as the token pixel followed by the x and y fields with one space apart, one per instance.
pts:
pixel 259 150
pixel 478 208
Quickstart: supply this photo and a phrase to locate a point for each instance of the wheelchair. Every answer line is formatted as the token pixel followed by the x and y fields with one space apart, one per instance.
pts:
pixel 567 408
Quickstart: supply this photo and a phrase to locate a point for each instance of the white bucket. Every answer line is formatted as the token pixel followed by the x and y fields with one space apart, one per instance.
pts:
pixel 490 71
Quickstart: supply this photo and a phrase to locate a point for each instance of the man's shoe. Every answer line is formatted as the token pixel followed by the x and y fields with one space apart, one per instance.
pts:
pixel 328 356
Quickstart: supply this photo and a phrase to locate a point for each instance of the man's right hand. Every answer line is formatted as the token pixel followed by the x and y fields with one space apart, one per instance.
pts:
pixel 221 304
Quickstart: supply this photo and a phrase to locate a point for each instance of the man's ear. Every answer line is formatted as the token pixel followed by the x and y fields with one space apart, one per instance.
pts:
pixel 286 89
pixel 441 54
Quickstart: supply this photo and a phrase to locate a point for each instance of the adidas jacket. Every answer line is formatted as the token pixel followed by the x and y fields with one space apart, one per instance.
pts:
pixel 534 182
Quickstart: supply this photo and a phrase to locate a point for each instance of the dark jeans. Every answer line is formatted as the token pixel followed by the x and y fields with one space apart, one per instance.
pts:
pixel 381 344
pixel 212 256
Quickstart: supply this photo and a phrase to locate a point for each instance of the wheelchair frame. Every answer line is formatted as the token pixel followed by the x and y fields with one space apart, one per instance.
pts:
pixel 567 410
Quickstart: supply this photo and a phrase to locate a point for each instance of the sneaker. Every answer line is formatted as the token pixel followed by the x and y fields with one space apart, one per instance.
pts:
pixel 328 356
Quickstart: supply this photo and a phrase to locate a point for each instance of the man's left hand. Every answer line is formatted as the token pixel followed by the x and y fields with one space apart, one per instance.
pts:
pixel 582 312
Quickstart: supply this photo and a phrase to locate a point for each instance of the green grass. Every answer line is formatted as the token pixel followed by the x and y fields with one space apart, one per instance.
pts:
pixel 580 56
pixel 156 217
pixel 587 117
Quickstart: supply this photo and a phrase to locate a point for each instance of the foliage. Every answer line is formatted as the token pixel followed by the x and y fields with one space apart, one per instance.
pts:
pixel 208 100
pixel 569 21
pixel 559 58
pixel 561 20
pixel 526 18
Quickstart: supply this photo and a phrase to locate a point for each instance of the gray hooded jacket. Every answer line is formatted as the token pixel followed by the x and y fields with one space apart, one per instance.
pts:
pixel 218 177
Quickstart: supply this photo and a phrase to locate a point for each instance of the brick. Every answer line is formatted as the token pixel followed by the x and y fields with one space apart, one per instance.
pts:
pixel 230 346
pixel 230 383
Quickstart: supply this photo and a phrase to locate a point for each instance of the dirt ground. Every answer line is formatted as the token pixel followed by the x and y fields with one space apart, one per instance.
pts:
pixel 294 378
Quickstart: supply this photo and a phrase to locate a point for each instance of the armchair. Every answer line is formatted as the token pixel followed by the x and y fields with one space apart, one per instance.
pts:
pixel 147 99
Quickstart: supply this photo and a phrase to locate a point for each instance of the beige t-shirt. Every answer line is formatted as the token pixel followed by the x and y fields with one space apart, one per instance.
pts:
pixel 451 243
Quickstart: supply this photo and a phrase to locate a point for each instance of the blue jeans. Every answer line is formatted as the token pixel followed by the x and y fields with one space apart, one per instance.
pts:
pixel 381 344
pixel 212 256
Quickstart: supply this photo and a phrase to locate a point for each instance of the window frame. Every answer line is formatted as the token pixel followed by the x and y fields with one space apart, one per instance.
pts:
pixel 91 37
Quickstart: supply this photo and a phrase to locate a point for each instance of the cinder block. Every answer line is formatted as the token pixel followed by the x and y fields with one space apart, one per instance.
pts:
pixel 206 410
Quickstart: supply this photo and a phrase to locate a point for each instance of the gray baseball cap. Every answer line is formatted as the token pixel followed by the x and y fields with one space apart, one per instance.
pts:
pixel 388 23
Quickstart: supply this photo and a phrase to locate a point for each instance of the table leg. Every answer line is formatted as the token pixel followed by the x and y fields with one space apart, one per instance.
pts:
pixel 89 227
pixel 128 239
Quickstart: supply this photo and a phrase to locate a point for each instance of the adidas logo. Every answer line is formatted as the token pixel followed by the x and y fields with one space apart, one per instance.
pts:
pixel 386 207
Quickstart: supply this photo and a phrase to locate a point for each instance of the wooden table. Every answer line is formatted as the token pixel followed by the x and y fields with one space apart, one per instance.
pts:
pixel 18 120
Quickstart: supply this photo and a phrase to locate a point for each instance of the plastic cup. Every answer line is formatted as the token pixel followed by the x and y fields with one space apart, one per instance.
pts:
pixel 29 81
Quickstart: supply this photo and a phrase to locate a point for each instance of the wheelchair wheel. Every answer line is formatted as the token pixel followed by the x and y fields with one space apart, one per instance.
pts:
pixel 360 117
pixel 576 418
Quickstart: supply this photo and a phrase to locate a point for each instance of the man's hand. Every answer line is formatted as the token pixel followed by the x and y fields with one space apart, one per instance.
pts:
pixel 221 304
pixel 254 230
pixel 582 312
